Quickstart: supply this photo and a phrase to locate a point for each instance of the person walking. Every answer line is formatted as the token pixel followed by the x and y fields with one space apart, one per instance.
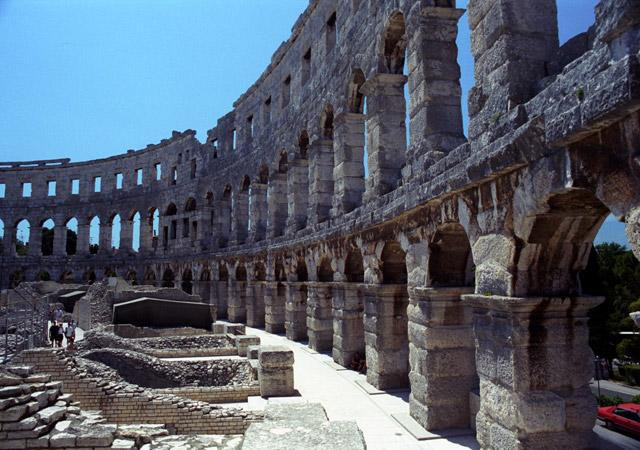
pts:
pixel 60 336
pixel 53 333
pixel 70 334
pixel 58 315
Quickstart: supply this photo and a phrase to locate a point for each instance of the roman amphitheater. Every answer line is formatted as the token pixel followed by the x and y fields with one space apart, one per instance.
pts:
pixel 448 269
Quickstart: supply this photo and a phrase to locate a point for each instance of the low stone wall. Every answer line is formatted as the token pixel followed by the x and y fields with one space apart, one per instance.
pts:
pixel 235 394
pixel 132 332
pixel 124 403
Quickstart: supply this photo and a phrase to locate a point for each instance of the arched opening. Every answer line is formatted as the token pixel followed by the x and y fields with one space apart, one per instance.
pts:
pixel 94 235
pixel 241 210
pixel 260 273
pixel 116 228
pixel 325 272
pixel 241 273
pixel 303 145
pixel 301 270
pixel 204 287
pixel 66 277
pixel 355 156
pixel 450 260
pixel 394 267
pixel 71 244
pixel 89 277
pixel 23 234
pixel 187 278
pixel 327 122
pixel 263 174
pixel 171 210
pixel 135 232
pixel 168 278
pixel 132 277
pixel 43 275
pixel 354 267
pixel 395 44
pixel 223 274
pixel 150 277
pixel 47 238
pixel 283 162
pixel 190 205
pixel 225 214
pixel 355 96
pixel 277 199
pixel 16 278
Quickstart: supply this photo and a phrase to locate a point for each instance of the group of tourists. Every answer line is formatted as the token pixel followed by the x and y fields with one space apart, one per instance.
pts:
pixel 58 332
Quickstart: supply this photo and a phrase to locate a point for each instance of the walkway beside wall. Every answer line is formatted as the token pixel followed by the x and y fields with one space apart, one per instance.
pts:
pixel 342 396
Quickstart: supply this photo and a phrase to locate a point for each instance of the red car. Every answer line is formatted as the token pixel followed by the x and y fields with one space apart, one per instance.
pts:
pixel 625 417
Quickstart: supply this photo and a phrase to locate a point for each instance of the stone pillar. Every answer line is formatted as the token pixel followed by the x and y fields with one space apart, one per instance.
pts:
pixel 275 299
pixel 60 240
pixel 244 342
pixel 222 298
pixel 255 304
pixel 320 181
pixel 319 316
pixel 348 169
pixel 237 306
pixel 513 42
pixel 441 357
pixel 126 235
pixel 146 234
pixel 298 194
pixel 296 311
pixel 534 363
pixel 385 334
pixel 387 134
pixel 82 244
pixel 240 220
pixel 278 204
pixel 223 222
pixel 348 325
pixel 8 240
pixel 434 86
pixel 275 371
pixel 258 212
pixel 105 238
pixel 35 240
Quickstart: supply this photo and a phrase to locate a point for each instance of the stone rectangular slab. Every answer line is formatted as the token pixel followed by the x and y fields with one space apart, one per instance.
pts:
pixel 335 366
pixel 415 430
pixel 371 390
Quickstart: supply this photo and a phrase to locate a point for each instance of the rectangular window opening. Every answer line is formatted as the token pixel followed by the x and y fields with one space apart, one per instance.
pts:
pixel 75 186
pixel 250 125
pixel 234 140
pixel 138 177
pixel 174 229
pixel 158 168
pixel 194 168
pixel 286 91
pixel 306 66
pixel 331 32
pixel 267 111
pixel 51 188
pixel 97 184
pixel 26 189
pixel 119 180
pixel 185 227
pixel 3 190
pixel 194 230
pixel 174 175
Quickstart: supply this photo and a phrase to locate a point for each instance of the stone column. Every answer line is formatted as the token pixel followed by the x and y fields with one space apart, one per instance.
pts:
pixel 146 235
pixel 105 238
pixel 348 169
pixel 348 325
pixel 441 357
pixel 275 299
pixel 8 240
pixel 255 304
pixel 126 235
pixel 222 298
pixel 278 204
pixel 320 181
pixel 298 194
pixel 434 86
pixel 223 222
pixel 513 42
pixel 240 220
pixel 534 363
pixel 385 334
pixel 258 212
pixel 82 244
pixel 60 240
pixel 387 134
pixel 275 371
pixel 319 316
pixel 237 306
pixel 35 240
pixel 296 311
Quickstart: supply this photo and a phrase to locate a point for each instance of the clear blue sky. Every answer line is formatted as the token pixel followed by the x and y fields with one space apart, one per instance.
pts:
pixel 90 79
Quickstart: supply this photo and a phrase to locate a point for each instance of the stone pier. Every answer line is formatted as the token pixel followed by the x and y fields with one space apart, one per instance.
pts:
pixel 255 304
pixel 319 316
pixel 348 324
pixel 237 307
pixel 275 299
pixel 296 311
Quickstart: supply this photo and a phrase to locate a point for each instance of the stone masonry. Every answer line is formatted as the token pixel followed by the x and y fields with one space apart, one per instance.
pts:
pixel 449 253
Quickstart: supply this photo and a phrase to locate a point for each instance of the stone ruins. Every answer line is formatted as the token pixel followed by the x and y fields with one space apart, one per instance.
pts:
pixel 449 263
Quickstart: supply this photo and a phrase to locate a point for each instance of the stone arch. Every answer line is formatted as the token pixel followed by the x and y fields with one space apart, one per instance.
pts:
pixel 302 275
pixel 171 209
pixel 22 237
pixel 204 285
pixel 150 275
pixel 241 273
pixel 279 271
pixel 303 144
pixel 451 260
pixel 168 278
pixel 71 242
pixel 327 122
pixel 223 273
pixel 260 272
pixel 394 44
pixel 394 267
pixel 187 281
pixel 283 162
pixel 94 235
pixel 354 267
pixel 116 231
pixel 47 230
pixel 324 270
pixel 355 97
pixel 132 277
pixel 190 205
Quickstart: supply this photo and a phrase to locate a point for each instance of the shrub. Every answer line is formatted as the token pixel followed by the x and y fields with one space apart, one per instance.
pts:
pixel 605 400
pixel 632 373
pixel 629 349
pixel 635 399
